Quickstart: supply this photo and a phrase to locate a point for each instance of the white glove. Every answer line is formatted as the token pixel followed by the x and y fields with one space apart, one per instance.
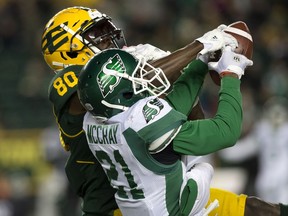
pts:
pixel 147 51
pixel 230 62
pixel 222 27
pixel 215 40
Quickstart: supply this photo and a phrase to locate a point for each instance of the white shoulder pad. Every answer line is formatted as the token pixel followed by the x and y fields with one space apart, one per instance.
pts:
pixel 162 142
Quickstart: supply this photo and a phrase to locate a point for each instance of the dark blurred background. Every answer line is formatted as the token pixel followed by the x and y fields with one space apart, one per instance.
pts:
pixel 31 158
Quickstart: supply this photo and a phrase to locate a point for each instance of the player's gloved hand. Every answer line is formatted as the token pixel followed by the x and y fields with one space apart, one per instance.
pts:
pixel 222 27
pixel 147 51
pixel 230 62
pixel 215 40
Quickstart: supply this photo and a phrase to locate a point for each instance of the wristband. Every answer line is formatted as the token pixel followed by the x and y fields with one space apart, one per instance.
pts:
pixel 227 73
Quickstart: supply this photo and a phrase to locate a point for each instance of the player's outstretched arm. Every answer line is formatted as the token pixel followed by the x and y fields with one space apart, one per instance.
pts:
pixel 214 40
pixel 210 135
pixel 173 64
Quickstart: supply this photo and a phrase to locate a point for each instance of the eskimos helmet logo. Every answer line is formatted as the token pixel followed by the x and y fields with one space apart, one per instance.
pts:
pixel 107 79
pixel 53 35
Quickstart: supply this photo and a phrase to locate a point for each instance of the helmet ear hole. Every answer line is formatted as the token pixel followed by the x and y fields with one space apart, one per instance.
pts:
pixel 72 54
pixel 128 95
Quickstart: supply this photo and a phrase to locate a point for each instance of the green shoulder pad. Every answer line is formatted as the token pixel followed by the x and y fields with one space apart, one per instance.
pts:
pixel 63 86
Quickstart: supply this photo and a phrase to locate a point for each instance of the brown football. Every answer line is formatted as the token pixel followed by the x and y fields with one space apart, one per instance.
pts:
pixel 241 32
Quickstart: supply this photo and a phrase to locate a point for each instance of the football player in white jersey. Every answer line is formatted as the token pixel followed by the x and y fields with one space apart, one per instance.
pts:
pixel 139 138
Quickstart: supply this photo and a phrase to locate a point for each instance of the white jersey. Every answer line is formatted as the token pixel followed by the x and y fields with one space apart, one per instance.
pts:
pixel 121 146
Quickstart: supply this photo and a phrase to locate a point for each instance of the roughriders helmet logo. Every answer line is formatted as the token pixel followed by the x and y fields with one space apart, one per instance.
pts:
pixel 152 109
pixel 107 79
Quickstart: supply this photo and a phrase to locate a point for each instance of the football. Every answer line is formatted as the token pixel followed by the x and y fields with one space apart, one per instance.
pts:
pixel 240 31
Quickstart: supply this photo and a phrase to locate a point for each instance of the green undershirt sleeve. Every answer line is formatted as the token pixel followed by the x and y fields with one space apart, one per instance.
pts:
pixel 205 136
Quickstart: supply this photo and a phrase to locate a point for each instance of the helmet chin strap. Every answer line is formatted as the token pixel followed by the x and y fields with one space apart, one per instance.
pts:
pixel 114 106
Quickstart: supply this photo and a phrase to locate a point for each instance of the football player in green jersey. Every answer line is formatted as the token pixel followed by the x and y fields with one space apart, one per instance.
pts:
pixel 64 43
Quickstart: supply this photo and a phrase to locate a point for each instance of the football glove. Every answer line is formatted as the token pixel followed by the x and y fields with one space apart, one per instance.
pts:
pixel 215 40
pixel 230 62
pixel 147 51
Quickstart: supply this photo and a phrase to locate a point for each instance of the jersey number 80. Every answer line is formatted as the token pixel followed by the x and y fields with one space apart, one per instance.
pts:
pixel 61 84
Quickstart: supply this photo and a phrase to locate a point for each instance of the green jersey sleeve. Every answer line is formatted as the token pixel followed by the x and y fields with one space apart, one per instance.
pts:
pixel 205 136
pixel 186 88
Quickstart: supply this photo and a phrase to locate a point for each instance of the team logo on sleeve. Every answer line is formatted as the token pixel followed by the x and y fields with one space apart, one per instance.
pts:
pixel 151 109
pixel 107 79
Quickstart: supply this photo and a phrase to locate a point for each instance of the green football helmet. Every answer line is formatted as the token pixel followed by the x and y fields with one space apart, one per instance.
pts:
pixel 114 80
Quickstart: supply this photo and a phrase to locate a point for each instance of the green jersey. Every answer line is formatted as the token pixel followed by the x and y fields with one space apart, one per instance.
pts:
pixel 83 171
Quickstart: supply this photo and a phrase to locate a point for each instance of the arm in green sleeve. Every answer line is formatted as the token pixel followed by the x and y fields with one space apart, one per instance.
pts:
pixel 187 87
pixel 205 136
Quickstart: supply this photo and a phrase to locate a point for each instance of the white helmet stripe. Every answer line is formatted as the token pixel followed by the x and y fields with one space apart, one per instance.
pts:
pixel 114 106
pixel 94 14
